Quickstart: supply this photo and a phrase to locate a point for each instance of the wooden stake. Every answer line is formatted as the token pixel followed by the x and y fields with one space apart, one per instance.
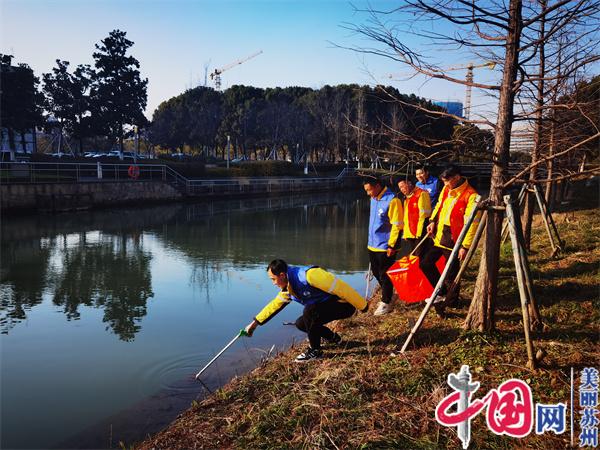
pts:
pixel 521 198
pixel 440 283
pixel 512 214
pixel 555 248
pixel 470 253
pixel 534 312
pixel 546 211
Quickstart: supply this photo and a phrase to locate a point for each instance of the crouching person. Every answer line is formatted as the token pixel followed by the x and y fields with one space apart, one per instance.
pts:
pixel 324 296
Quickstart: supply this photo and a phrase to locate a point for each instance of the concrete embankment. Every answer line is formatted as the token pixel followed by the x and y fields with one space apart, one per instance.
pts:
pixel 74 196
pixel 54 197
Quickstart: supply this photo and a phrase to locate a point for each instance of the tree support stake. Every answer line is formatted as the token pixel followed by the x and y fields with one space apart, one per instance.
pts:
pixel 440 283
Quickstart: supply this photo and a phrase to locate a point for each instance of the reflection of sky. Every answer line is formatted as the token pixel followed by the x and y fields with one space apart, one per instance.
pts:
pixel 60 376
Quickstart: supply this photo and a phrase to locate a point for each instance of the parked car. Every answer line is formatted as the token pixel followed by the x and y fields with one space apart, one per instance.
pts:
pixel 128 155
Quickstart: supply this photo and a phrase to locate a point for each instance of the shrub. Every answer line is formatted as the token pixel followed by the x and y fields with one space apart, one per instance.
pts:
pixel 268 168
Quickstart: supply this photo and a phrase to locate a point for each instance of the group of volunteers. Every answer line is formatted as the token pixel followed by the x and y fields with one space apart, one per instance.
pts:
pixel 397 223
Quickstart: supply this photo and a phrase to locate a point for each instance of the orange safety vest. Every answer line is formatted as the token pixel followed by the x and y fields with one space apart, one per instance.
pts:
pixel 412 208
pixel 457 216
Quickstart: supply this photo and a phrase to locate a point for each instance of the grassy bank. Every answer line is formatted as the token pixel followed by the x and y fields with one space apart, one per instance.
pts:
pixel 364 394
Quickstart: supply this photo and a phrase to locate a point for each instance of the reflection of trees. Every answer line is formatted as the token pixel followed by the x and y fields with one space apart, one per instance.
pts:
pixel 113 274
pixel 206 273
pixel 331 233
pixel 23 268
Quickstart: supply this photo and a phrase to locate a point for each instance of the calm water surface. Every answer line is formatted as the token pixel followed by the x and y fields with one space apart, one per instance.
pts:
pixel 107 315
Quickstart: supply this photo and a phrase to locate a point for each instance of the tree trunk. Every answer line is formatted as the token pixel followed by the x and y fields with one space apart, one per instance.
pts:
pixel 481 311
pixel 529 196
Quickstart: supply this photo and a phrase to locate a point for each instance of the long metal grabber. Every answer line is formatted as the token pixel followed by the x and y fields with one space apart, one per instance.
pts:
pixel 241 333
pixel 513 216
pixel 368 282
pixel 440 283
pixel 469 255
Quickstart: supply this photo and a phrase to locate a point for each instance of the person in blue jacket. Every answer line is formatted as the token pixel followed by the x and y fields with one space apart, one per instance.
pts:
pixel 324 296
pixel 385 229
pixel 428 183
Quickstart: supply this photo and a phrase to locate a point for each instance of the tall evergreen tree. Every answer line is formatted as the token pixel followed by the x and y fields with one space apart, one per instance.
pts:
pixel 118 92
pixel 67 98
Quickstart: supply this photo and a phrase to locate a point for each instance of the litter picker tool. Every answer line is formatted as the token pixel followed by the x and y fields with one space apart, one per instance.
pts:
pixel 241 333
pixel 369 276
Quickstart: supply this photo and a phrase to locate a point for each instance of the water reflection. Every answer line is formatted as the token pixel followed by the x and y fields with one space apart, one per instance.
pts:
pixel 23 268
pixel 100 259
pixel 112 274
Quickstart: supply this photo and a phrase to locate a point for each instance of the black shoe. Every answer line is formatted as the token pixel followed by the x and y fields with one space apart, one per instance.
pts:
pixel 308 355
pixel 440 309
pixel 335 340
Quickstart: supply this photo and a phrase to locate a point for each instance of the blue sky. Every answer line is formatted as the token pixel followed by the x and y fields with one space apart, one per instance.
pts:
pixel 174 39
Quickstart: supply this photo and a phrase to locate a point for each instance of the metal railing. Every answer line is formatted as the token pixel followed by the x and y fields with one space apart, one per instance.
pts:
pixel 59 172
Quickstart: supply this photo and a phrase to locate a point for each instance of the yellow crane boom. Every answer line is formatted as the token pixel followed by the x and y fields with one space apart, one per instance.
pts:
pixel 216 75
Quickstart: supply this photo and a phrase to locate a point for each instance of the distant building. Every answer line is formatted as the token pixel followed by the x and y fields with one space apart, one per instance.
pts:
pixel 23 142
pixel 18 110
pixel 455 108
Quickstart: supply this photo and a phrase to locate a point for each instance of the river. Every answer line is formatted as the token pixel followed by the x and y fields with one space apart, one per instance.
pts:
pixel 106 315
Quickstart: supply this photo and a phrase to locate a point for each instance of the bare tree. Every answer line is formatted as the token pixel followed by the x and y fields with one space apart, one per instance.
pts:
pixel 512 35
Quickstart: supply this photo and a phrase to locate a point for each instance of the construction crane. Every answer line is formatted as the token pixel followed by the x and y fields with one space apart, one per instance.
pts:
pixel 469 80
pixel 216 75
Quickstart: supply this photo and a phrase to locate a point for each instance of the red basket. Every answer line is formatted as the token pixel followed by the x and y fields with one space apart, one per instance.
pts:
pixel 410 282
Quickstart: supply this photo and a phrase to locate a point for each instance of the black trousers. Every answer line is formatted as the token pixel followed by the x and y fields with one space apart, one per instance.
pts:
pixel 315 316
pixel 407 246
pixel 427 265
pixel 380 263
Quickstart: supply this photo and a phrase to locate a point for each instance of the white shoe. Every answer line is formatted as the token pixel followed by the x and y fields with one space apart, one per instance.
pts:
pixel 382 308
pixel 439 299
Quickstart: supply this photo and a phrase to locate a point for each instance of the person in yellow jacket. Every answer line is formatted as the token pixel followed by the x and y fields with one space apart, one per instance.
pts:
pixel 324 296
pixel 385 227
pixel 455 204
pixel 417 209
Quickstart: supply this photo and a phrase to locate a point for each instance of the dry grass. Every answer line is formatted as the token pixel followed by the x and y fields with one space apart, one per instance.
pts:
pixel 365 395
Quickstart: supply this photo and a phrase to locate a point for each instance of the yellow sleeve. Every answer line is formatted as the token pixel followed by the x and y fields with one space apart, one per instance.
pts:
pixel 396 216
pixel 438 205
pixel 321 279
pixel 473 228
pixel 424 211
pixel 273 307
